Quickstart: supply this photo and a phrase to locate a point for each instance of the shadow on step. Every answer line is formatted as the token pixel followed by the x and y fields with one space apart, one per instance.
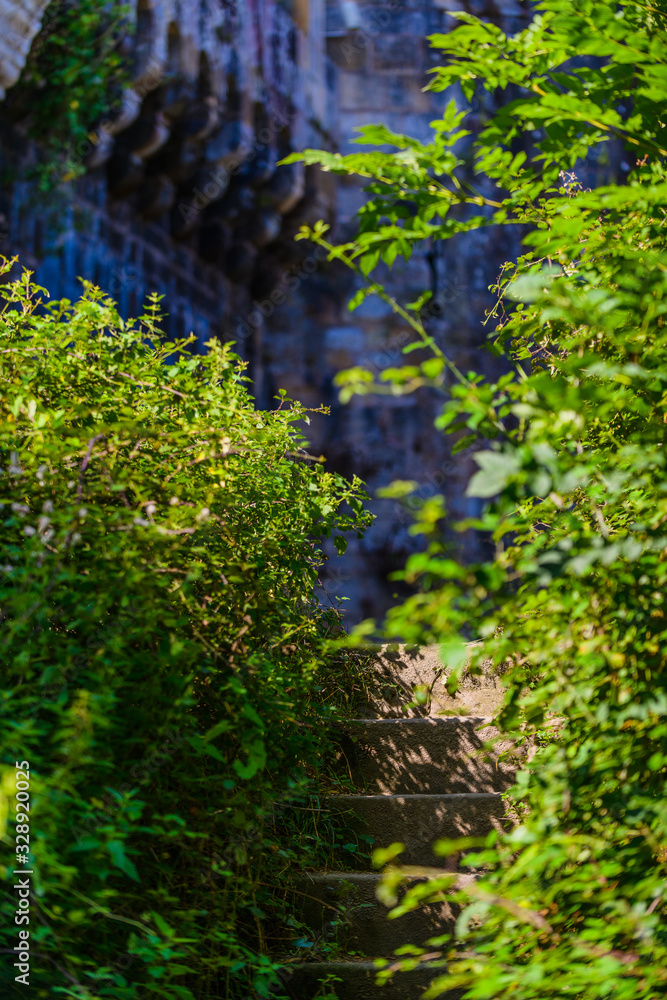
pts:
pixel 410 756
pixel 410 682
pixel 356 981
pixel 341 909
pixel 418 820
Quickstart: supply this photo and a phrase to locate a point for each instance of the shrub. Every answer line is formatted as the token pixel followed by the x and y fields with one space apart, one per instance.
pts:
pixel 161 648
pixel 571 455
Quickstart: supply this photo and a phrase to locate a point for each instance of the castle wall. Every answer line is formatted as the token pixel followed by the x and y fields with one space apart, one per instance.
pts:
pixel 181 193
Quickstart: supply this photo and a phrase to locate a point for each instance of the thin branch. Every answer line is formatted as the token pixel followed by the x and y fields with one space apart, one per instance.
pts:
pixel 152 385
pixel 523 913
pixel 427 341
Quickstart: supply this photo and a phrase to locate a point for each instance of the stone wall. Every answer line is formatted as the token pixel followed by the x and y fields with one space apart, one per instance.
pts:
pixel 181 192
pixel 182 195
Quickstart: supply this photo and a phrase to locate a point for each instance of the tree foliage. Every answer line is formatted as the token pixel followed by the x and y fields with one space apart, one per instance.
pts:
pixel 161 651
pixel 571 456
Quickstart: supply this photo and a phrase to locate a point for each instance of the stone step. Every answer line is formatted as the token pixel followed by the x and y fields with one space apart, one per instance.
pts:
pixel 356 981
pixel 419 820
pixel 418 759
pixel 342 908
pixel 409 756
pixel 411 682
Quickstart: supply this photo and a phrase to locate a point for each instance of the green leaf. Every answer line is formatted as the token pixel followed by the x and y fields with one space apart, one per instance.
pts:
pixel 454 652
pixel 162 925
pixel 382 856
pixel 116 849
pixel 359 297
pixel 368 262
pixel 256 761
pixel 341 544
pixel 496 470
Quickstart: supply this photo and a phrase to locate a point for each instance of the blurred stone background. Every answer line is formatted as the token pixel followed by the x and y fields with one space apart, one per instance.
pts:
pixel 182 195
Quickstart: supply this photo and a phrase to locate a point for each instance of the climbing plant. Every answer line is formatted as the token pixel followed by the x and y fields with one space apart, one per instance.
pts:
pixel 162 651
pixel 74 74
pixel 571 469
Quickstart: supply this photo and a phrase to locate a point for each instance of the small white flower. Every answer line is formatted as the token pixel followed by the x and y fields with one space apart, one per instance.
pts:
pixel 43 523
pixel 141 521
pixel 150 508
pixel 82 512
pixel 203 514
pixel 174 501
pixel 47 507
pixel 20 508
pixel 29 530
pixel 76 538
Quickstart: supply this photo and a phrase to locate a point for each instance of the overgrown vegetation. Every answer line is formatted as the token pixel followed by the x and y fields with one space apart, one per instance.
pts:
pixel 162 654
pixel 74 75
pixel 572 470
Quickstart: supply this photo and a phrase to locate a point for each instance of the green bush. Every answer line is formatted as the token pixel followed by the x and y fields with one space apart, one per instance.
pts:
pixel 161 649
pixel 570 445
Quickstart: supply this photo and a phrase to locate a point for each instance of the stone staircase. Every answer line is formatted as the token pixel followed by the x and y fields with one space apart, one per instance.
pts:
pixel 420 770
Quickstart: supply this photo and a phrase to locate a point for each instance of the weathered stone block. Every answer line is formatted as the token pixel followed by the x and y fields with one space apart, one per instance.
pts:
pixel 398 54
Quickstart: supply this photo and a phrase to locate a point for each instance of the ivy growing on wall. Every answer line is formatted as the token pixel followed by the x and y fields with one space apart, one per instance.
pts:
pixel 75 70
